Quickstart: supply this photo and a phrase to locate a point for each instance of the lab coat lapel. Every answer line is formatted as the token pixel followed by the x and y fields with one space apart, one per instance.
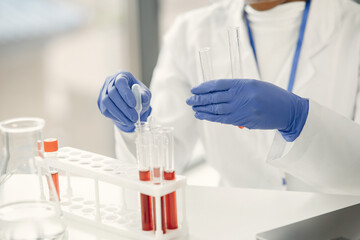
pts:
pixel 321 26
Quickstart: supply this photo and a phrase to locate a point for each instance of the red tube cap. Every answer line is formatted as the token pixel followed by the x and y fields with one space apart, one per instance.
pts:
pixel 51 145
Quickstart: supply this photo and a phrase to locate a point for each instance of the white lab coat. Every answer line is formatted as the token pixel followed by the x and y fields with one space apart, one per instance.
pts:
pixel 326 155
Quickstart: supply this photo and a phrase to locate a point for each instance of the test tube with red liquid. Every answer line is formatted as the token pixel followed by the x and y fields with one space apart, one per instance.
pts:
pixel 143 154
pixel 169 175
pixel 157 162
pixel 50 151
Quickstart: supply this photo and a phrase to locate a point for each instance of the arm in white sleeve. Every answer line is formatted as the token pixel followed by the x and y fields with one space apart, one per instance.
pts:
pixel 170 87
pixel 326 155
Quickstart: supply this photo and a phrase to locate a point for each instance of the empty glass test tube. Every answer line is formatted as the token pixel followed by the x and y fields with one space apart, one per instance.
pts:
pixel 143 154
pixel 206 64
pixel 169 175
pixel 235 54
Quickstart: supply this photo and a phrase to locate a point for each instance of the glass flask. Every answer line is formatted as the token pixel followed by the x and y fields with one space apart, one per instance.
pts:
pixel 29 206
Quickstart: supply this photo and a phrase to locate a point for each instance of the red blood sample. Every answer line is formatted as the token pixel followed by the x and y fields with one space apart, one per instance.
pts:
pixel 163 215
pixel 170 201
pixel 55 178
pixel 146 206
pixel 156 172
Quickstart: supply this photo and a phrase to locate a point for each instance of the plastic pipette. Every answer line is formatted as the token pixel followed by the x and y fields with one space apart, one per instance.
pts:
pixel 136 90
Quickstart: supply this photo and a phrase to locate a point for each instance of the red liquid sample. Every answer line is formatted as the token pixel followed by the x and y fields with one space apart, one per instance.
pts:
pixel 170 201
pixel 146 206
pixel 156 172
pixel 55 178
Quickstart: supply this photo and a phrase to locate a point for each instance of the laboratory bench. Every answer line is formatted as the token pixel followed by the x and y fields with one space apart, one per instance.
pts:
pixel 237 213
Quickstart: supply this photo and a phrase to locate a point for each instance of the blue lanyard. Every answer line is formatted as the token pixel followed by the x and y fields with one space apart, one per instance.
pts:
pixel 298 45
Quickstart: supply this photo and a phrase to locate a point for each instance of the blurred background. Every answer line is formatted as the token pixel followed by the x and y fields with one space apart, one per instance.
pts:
pixel 55 55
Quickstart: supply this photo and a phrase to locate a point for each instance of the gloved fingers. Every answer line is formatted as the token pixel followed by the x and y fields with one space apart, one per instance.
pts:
pixel 119 115
pixel 124 128
pixel 145 98
pixel 107 114
pixel 213 86
pixel 218 109
pixel 211 117
pixel 210 98
pixel 103 94
pixel 101 105
pixel 145 115
pixel 119 102
pixel 123 85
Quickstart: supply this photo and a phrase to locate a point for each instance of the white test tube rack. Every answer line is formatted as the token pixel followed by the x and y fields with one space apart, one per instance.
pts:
pixel 125 222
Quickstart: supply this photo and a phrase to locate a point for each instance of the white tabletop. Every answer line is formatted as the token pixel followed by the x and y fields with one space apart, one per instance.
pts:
pixel 232 213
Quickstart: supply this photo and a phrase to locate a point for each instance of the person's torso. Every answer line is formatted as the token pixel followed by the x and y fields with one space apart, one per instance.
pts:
pixel 328 73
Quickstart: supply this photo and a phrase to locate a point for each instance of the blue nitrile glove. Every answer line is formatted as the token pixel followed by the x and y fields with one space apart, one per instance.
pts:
pixel 117 102
pixel 252 104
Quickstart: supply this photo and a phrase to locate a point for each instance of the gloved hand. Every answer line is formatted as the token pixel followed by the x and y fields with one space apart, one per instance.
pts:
pixel 252 104
pixel 117 102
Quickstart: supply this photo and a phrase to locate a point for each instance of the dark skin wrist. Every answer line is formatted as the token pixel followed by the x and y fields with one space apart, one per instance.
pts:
pixel 269 5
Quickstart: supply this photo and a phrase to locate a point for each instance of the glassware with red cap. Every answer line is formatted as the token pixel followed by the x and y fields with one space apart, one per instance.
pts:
pixel 28 208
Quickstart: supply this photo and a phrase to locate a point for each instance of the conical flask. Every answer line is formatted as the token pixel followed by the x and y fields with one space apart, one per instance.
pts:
pixel 29 206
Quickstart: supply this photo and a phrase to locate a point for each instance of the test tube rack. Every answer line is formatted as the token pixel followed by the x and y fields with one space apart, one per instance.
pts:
pixel 114 218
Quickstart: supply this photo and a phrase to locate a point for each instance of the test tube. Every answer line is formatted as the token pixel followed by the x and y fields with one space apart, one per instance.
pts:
pixel 169 175
pixel 235 56
pixel 206 64
pixel 156 164
pixel 50 151
pixel 143 144
pixel 41 155
pixel 157 172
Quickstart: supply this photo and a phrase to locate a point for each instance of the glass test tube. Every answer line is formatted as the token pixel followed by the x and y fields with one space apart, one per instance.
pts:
pixel 50 151
pixel 143 152
pixel 169 175
pixel 206 64
pixel 235 56
pixel 157 170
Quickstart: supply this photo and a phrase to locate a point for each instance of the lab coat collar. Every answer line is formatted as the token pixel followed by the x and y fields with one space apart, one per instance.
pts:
pixel 323 20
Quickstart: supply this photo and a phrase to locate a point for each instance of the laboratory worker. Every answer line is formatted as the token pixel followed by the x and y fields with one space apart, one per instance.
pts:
pixel 298 98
